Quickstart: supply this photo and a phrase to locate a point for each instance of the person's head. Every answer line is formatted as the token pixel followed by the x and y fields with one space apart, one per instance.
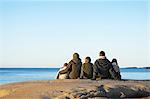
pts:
pixel 65 64
pixel 102 53
pixel 87 60
pixel 75 56
pixel 114 60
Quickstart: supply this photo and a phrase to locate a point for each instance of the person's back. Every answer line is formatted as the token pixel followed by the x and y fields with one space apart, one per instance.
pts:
pixel 102 67
pixel 74 67
pixel 87 69
pixel 116 73
pixel 116 67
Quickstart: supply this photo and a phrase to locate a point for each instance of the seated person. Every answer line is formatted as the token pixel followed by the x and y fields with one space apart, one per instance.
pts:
pixel 87 69
pixel 74 67
pixel 116 68
pixel 102 67
pixel 62 75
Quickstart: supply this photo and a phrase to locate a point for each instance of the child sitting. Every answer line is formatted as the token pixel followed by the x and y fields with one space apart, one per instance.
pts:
pixel 87 69
pixel 115 65
pixel 62 76
pixel 116 68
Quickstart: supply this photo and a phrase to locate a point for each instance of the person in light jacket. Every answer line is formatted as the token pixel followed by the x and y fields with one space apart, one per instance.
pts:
pixel 62 75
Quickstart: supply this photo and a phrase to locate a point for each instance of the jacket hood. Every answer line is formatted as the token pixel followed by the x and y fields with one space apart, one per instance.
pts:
pixel 75 56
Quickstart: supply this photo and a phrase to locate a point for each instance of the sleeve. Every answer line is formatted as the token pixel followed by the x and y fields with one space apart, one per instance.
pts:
pixel 95 70
pixel 67 69
pixel 81 74
pixel 92 68
pixel 118 68
pixel 109 64
pixel 80 68
pixel 57 77
pixel 113 73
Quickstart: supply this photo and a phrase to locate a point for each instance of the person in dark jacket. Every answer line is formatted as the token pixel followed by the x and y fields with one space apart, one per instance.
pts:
pixel 74 67
pixel 116 69
pixel 87 69
pixel 102 67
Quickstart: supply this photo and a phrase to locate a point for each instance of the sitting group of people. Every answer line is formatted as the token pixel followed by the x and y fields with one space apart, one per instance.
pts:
pixel 101 69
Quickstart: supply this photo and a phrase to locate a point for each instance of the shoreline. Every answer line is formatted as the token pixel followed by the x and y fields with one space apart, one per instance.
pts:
pixel 78 88
pixel 1 84
pixel 68 79
pixel 133 67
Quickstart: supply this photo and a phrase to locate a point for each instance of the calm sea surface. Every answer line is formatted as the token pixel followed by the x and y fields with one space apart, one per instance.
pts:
pixel 9 75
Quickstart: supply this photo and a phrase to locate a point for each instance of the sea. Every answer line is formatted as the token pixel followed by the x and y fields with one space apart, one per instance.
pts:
pixel 11 75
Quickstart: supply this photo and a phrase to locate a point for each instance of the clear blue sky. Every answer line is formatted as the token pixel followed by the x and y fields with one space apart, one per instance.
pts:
pixel 46 33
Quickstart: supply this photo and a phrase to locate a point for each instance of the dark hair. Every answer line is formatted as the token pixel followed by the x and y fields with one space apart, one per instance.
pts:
pixel 102 53
pixel 114 60
pixel 65 64
pixel 88 58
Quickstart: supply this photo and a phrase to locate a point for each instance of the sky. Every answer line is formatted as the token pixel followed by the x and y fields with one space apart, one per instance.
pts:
pixel 46 33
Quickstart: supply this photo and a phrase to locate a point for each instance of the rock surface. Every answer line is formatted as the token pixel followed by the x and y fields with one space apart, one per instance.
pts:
pixel 70 89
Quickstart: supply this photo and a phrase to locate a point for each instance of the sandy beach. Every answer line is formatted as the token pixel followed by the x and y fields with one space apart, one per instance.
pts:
pixel 62 89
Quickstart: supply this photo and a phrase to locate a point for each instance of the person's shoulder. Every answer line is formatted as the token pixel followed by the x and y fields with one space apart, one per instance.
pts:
pixel 109 63
pixel 91 64
pixel 80 61
pixel 107 60
pixel 71 62
pixel 97 60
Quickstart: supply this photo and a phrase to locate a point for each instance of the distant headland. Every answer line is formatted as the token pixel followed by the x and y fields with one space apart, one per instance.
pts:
pixel 148 67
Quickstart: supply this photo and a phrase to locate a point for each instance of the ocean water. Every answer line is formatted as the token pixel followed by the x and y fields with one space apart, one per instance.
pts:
pixel 10 75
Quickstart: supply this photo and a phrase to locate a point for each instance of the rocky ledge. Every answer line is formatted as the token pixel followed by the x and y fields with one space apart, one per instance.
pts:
pixel 81 89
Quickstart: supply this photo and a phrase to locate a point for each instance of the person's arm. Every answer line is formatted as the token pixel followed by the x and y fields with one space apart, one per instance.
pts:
pixel 112 72
pixel 94 70
pixel 57 76
pixel 109 63
pixel 118 68
pixel 80 69
pixel 81 75
pixel 67 69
